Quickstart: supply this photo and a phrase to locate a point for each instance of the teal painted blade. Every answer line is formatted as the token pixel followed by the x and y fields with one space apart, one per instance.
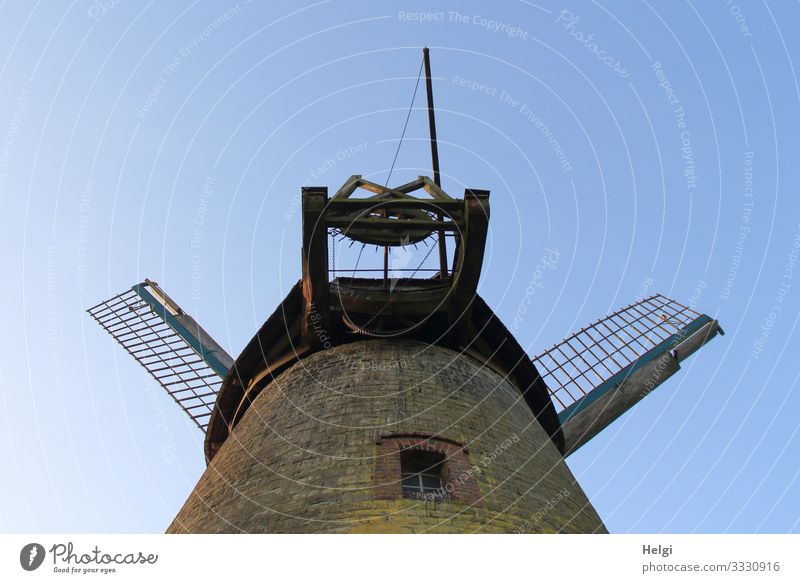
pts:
pixel 169 344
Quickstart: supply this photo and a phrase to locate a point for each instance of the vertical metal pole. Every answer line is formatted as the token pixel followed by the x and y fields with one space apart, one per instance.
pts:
pixel 435 158
pixel 386 258
pixel 431 118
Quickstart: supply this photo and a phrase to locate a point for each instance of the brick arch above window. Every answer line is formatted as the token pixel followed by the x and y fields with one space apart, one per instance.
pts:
pixel 458 476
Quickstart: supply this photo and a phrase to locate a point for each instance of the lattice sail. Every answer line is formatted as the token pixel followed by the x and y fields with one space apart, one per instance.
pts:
pixel 169 344
pixel 602 370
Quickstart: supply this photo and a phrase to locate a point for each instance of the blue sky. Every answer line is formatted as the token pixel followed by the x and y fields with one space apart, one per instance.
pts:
pixel 653 145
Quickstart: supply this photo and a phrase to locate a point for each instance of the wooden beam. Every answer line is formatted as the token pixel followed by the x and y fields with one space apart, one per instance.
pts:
pixel 315 266
pixel 468 263
pixel 380 189
pixel 434 189
pixel 351 204
pixel 347 188
pixel 411 186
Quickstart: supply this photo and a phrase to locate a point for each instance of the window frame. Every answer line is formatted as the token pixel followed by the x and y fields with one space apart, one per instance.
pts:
pixel 458 478
pixel 433 467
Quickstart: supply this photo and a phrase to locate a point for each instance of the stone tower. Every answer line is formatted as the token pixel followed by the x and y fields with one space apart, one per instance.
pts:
pixel 369 405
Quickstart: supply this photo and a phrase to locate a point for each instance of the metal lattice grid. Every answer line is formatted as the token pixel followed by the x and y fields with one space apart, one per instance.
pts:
pixel 178 367
pixel 598 352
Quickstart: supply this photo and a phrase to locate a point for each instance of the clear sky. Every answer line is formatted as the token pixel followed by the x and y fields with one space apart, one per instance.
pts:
pixel 653 145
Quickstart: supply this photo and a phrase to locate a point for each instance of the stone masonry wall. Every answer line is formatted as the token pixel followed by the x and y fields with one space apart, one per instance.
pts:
pixel 318 451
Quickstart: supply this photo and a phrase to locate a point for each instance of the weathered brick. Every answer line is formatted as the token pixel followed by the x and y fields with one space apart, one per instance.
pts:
pixel 310 454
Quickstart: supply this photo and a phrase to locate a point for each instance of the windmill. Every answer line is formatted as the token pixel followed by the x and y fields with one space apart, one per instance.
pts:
pixel 392 398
